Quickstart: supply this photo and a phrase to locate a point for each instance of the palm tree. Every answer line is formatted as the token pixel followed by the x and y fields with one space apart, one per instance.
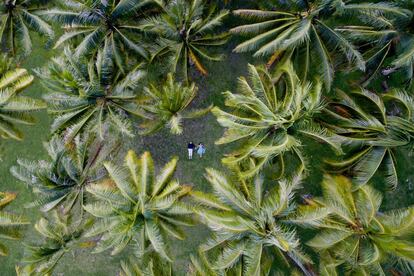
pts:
pixel 10 223
pixel 92 25
pixel 60 235
pixel 251 225
pixel 13 107
pixel 137 207
pixel 61 181
pixel 388 39
pixel 167 106
pixel 269 118
pixel 90 97
pixel 357 236
pixel 373 131
pixel 308 32
pixel 185 34
pixel 149 264
pixel 17 19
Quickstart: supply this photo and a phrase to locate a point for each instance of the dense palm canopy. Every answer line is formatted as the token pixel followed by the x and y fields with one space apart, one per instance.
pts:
pixel 374 126
pixel 304 31
pixel 14 108
pixel 167 106
pixel 60 235
pixel 17 19
pixel 92 25
pixel 90 96
pixel 137 207
pixel 356 234
pixel 186 30
pixel 61 180
pixel 10 223
pixel 251 225
pixel 270 116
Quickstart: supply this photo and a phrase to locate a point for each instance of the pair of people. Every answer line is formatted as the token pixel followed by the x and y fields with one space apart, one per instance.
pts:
pixel 201 149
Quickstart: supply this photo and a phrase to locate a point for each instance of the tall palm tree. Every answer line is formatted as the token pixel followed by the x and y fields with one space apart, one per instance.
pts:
pixel 92 25
pixel 10 223
pixel 60 235
pixel 90 96
pixel 357 236
pixel 251 225
pixel 167 106
pixel 270 117
pixel 17 19
pixel 307 31
pixel 15 109
pixel 373 132
pixel 60 182
pixel 186 32
pixel 137 207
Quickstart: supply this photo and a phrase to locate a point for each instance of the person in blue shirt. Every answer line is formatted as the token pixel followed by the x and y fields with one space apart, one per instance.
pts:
pixel 201 149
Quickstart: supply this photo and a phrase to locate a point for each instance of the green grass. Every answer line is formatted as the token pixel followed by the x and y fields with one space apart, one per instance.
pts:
pixel 222 76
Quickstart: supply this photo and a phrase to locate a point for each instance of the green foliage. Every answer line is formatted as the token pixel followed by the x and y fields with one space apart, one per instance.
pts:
pixel 14 108
pixel 373 131
pixel 10 223
pixel 90 97
pixel 137 207
pixel 167 106
pixel 270 116
pixel 61 182
pixel 357 234
pixel 185 31
pixel 251 225
pixel 92 25
pixel 17 19
pixel 60 235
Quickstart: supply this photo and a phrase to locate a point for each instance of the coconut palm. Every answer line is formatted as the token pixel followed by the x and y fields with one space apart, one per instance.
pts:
pixel 17 19
pixel 92 25
pixel 137 207
pixel 307 31
pixel 60 182
pixel 373 131
pixel 149 264
pixel 186 32
pixel 251 227
pixel 167 106
pixel 90 97
pixel 10 223
pixel 15 109
pixel 269 118
pixel 357 236
pixel 60 235
pixel 389 43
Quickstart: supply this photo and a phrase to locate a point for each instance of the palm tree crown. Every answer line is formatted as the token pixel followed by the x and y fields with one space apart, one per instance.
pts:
pixel 373 131
pixel 270 116
pixel 61 234
pixel 167 106
pixel 17 18
pixel 95 24
pixel 250 224
pixel 13 107
pixel 137 207
pixel 90 97
pixel 303 30
pixel 62 180
pixel 357 234
pixel 185 33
